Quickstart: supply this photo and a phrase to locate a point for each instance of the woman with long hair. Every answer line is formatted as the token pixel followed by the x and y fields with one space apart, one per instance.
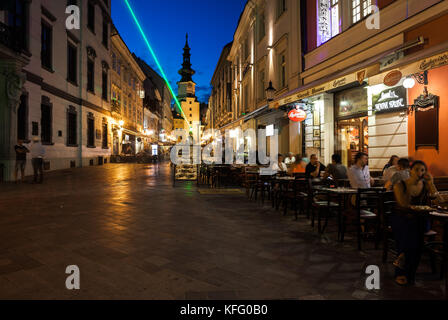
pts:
pixel 408 225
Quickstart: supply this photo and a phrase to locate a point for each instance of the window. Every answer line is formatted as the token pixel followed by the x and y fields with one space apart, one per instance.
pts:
pixel 46 124
pixel 282 70
pixel 246 48
pixel 261 27
pixel 328 22
pixel 91 16
pixel 46 45
pixel 261 86
pixel 281 7
pixel 105 33
pixel 72 124
pixel 90 131
pixel 105 136
pixel 246 98
pixel 22 118
pixel 114 62
pixel 104 85
pixel 119 67
pixel 18 19
pixel 360 9
pixel 334 17
pixel 72 60
pixel 90 76
pixel 72 3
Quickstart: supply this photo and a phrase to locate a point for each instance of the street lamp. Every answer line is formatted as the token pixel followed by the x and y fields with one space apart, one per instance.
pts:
pixel 270 91
pixel 121 123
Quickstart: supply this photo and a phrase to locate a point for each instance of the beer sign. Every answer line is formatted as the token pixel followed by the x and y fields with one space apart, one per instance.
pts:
pixel 297 115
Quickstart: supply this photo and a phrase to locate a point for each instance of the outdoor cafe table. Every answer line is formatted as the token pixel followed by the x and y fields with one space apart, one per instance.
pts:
pixel 342 195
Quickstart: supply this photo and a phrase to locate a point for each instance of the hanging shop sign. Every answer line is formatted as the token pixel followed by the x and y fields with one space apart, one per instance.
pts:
pixel 390 100
pixel 297 115
pixel 392 78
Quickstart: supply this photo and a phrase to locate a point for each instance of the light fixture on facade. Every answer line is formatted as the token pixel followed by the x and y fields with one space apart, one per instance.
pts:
pixel 409 83
pixel 270 48
pixel 270 91
pixel 121 123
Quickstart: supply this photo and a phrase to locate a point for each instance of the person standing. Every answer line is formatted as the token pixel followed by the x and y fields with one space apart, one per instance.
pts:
pixel 37 158
pixel 21 152
pixel 359 174
pixel 314 168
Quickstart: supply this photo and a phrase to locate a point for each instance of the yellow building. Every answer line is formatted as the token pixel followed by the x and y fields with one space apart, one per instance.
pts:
pixel 178 121
pixel 187 92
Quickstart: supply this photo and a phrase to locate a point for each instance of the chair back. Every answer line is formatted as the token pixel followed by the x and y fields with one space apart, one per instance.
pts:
pixel 370 198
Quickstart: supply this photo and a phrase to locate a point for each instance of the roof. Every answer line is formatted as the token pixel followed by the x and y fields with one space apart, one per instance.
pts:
pixel 153 76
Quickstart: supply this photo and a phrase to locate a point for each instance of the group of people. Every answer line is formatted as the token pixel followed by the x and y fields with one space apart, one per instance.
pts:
pixel 37 152
pixel 411 184
pixel 358 173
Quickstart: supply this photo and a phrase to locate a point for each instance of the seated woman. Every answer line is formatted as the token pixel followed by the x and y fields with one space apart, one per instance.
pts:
pixel 408 226
pixel 298 166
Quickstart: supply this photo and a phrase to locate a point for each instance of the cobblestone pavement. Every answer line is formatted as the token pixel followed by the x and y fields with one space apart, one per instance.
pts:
pixel 134 236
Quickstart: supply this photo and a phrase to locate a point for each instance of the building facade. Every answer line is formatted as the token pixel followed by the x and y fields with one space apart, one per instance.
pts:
pixel 127 98
pixel 356 58
pixel 265 49
pixel 65 99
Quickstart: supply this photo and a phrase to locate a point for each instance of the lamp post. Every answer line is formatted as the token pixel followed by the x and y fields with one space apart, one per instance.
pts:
pixel 270 91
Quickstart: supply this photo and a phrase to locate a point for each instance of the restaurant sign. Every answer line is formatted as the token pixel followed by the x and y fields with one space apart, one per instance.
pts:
pixel 330 85
pixel 297 115
pixel 390 100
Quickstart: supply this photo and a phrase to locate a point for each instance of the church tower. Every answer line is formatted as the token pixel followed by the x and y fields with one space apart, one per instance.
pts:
pixel 186 93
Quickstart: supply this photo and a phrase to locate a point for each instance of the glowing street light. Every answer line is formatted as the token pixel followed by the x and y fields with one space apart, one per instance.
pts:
pixel 121 123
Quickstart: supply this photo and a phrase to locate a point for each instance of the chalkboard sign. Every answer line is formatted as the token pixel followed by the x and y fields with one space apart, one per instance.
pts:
pixel 427 121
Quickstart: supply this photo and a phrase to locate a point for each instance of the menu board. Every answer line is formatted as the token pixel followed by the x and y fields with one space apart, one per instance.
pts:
pixel 351 102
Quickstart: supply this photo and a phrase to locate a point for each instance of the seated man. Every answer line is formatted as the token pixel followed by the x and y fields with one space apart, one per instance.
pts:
pixel 314 168
pixel 336 170
pixel 359 174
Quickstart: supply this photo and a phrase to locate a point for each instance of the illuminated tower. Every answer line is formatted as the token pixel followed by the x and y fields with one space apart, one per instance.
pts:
pixel 187 89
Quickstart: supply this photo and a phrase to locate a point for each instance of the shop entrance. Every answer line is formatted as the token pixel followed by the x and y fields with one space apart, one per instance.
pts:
pixel 352 137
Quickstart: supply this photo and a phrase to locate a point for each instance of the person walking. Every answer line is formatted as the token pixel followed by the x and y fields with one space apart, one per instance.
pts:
pixel 37 157
pixel 21 152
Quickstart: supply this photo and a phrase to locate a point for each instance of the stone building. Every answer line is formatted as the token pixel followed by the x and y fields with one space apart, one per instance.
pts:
pixel 61 82
pixel 127 93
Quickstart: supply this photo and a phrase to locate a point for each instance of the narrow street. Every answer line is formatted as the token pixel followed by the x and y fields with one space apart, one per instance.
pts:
pixel 134 236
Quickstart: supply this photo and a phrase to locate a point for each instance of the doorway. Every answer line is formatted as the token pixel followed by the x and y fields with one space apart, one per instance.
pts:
pixel 352 137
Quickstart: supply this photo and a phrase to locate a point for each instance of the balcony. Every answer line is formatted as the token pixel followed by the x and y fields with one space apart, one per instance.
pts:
pixel 11 37
pixel 115 107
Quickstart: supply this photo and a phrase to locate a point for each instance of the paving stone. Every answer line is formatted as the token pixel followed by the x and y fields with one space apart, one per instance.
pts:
pixel 134 236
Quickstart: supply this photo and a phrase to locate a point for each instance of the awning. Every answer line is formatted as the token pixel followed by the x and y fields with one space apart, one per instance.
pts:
pixel 255 113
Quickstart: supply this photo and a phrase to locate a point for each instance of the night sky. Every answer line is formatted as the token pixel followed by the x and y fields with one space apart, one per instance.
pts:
pixel 210 25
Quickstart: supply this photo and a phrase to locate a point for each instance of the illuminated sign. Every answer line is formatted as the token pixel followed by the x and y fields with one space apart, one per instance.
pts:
pixel 390 100
pixel 270 130
pixel 297 115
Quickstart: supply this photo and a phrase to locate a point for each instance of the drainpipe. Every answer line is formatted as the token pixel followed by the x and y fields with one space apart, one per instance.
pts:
pixel 80 84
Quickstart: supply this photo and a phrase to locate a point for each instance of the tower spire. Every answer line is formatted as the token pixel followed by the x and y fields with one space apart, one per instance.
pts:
pixel 186 72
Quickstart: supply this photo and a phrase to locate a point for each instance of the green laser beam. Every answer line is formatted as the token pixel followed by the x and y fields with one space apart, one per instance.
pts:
pixel 156 60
